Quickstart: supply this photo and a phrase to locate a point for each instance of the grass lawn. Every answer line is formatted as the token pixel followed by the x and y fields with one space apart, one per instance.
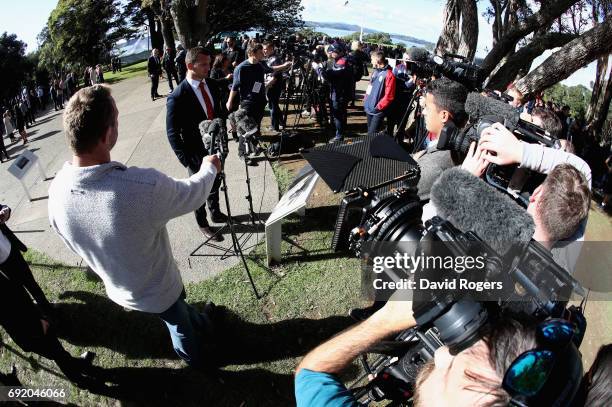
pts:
pixel 127 72
pixel 306 301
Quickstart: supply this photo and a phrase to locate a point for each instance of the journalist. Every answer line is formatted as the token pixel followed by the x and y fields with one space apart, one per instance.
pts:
pixel 274 85
pixel 380 93
pixel 339 74
pixel 115 218
pixel 473 377
pixel 443 104
pixel 249 83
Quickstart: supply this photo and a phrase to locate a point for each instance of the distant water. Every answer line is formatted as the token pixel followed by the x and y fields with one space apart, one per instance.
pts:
pixel 332 32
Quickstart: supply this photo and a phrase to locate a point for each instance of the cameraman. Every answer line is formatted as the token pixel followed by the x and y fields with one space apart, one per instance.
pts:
pixel 405 83
pixel 274 84
pixel 380 93
pixel 470 378
pixel 115 218
pixel 444 105
pixel 340 77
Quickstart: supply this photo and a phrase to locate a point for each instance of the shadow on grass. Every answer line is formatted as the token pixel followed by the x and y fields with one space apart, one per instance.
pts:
pixel 97 321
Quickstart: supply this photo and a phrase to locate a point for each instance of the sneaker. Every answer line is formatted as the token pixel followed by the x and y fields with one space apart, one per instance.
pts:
pixel 336 140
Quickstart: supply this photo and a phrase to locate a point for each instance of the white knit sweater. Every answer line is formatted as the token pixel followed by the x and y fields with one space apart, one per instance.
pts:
pixel 115 218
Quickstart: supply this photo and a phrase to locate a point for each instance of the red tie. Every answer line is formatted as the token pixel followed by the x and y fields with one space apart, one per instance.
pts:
pixel 210 112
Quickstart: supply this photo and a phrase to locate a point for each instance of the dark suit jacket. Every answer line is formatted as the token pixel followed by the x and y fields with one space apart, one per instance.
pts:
pixel 11 236
pixel 153 67
pixel 183 116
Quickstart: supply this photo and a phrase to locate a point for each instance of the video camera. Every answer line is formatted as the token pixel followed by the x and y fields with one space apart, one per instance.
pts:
pixel 540 290
pixel 484 111
pixel 423 64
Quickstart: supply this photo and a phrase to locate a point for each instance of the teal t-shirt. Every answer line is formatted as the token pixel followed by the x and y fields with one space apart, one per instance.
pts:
pixel 313 389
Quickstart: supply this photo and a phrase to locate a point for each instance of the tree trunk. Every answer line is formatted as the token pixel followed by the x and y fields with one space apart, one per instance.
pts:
pixel 448 40
pixel 571 57
pixel 168 34
pixel 507 43
pixel 469 29
pixel 601 113
pixel 157 40
pixel 190 22
pixel 600 74
pixel 521 60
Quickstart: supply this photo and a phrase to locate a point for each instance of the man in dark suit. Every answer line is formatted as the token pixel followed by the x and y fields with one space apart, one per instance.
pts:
pixel 195 99
pixel 154 67
pixel 13 265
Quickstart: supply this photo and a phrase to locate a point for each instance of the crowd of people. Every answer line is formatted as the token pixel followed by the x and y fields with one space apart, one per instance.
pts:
pixel 127 244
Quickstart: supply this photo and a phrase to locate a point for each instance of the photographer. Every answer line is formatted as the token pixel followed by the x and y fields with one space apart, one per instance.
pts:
pixel 473 377
pixel 380 93
pixel 444 104
pixel 339 74
pixel 115 218
pixel 405 83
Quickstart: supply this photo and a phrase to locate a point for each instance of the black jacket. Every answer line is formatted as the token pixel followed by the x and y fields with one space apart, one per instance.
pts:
pixel 12 238
pixel 153 67
pixel 183 116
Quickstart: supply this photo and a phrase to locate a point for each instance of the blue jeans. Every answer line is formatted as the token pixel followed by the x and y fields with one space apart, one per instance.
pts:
pixel 187 327
pixel 338 112
pixel 375 122
pixel 275 110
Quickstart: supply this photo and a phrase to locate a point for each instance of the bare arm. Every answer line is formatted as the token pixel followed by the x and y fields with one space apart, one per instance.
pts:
pixel 337 353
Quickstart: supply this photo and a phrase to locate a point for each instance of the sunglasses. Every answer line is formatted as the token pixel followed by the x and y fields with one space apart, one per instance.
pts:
pixel 530 371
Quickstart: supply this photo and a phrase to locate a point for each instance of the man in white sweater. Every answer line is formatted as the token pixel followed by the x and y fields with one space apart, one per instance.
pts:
pixel 115 218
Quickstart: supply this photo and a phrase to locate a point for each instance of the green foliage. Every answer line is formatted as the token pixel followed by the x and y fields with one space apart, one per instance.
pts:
pixel 81 32
pixel 14 66
pixel 576 97
pixel 375 38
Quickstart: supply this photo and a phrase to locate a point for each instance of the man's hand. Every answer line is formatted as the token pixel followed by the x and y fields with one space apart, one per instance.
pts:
pixel 229 76
pixel 5 214
pixel 499 140
pixel 214 159
pixel 474 162
pixel 396 315
pixel 287 65
pixel 228 105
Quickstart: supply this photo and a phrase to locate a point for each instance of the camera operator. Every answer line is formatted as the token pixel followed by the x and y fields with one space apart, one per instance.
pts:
pixel 274 84
pixel 234 53
pixel 380 93
pixel 115 218
pixel 339 74
pixel 405 83
pixel 473 377
pixel 249 83
pixel 444 103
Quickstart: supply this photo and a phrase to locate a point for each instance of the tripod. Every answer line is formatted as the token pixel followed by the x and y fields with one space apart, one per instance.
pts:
pixel 235 249
pixel 420 134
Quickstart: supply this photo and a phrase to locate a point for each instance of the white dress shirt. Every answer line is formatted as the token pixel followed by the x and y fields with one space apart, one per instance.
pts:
pixel 195 85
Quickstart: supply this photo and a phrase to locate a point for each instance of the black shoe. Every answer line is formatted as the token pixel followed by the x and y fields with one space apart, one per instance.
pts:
pixel 153 98
pixel 218 217
pixel 211 233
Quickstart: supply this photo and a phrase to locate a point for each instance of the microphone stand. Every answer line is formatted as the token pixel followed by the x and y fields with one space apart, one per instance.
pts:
pixel 235 249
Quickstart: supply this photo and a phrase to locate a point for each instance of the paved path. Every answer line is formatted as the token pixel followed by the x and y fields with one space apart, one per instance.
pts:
pixel 142 142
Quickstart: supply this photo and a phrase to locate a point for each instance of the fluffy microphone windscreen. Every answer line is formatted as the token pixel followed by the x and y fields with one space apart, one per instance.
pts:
pixel 469 203
pixel 417 54
pixel 478 106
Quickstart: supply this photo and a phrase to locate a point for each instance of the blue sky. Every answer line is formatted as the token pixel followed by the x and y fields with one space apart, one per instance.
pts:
pixel 418 18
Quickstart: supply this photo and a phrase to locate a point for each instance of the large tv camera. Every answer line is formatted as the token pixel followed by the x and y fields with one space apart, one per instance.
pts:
pixel 420 62
pixel 535 287
pixel 483 112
